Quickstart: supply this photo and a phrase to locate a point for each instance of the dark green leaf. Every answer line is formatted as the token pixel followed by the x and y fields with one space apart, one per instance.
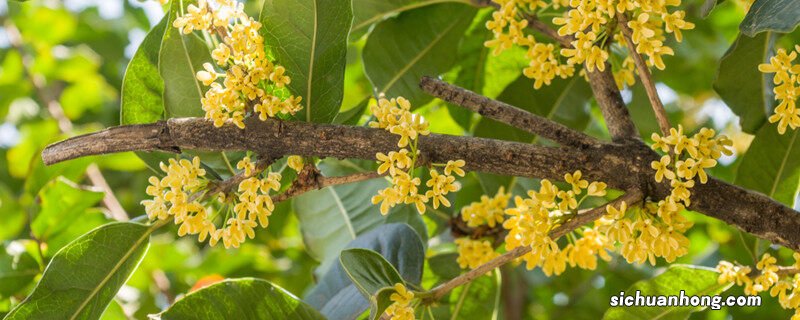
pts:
pixel 332 217
pixel 17 270
pixel 309 38
pixel 369 12
pixel 692 280
pixel 472 58
pixel 142 87
pixel 180 58
pixel 772 164
pixel 369 271
pixel 351 116
pixel 246 299
pixel 417 43
pixel 336 296
pixel 747 91
pixel 83 277
pixel 771 15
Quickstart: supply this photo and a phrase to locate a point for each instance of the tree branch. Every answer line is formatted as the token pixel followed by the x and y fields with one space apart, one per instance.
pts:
pixel 646 77
pixel 438 292
pixel 618 119
pixel 623 166
pixel 506 113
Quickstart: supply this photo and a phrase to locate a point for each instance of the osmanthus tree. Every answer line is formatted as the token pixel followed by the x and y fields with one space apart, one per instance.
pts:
pixel 563 152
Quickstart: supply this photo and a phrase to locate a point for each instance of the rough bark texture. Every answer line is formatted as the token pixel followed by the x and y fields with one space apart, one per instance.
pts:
pixel 624 165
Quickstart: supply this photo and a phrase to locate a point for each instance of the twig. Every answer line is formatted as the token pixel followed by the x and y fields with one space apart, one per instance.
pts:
pixel 646 77
pixel 438 292
pixel 228 184
pixel 93 172
pixel 506 113
pixel 309 179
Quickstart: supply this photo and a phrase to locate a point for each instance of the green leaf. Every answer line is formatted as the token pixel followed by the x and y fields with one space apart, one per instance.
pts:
pixel 747 91
pixel 772 164
pixel 62 204
pixel 366 13
pixel 180 58
pixel 309 38
pixel 142 86
pixel 369 271
pixel 479 299
pixel 332 217
pixel 338 298
pixel 83 277
pixel 692 280
pixel 707 6
pixel 771 15
pixel 352 115
pixel 564 101
pixel 417 43
pixel 245 298
pixel 17 270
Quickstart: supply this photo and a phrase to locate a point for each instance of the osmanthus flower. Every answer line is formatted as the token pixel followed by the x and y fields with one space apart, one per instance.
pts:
pixel 787 88
pixel 785 287
pixel 401 307
pixel 181 196
pixel 251 82
pixel 592 26
pixel 487 211
pixel 473 253
pixel 295 162
pixel 394 115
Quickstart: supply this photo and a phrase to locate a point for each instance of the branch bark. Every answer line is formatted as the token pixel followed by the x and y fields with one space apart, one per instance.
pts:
pixel 646 77
pixel 506 113
pixel 622 166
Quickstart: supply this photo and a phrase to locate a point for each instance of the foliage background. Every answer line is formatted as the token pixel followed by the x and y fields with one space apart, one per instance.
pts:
pixel 81 49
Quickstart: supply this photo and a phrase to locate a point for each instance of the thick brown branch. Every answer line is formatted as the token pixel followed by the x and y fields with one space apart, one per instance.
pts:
pixel 630 197
pixel 622 166
pixel 646 77
pixel 506 113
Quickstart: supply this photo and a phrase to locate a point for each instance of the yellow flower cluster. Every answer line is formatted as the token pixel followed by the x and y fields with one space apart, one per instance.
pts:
pixel 251 80
pixel 395 116
pixel 179 194
pixel 401 308
pixel 787 88
pixel 473 253
pixel 532 219
pixel 592 26
pixel 488 211
pixel 701 150
pixel 787 289
pixel 509 29
pixel 647 232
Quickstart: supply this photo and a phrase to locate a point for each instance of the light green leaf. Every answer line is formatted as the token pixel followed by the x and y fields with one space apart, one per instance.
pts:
pixel 180 58
pixel 309 38
pixel 417 43
pixel 479 299
pixel 142 87
pixel 471 65
pixel 83 277
pixel 366 13
pixel 707 6
pixel 338 298
pixel 692 280
pixel 62 204
pixel 747 91
pixel 772 164
pixel 17 270
pixel 771 15
pixel 244 299
pixel 332 217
